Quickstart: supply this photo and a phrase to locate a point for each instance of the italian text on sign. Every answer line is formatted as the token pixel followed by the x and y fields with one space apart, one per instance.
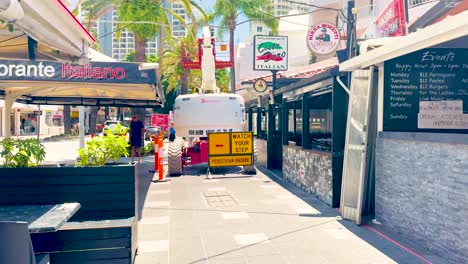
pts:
pixel 227 161
pixel 219 143
pixel 241 143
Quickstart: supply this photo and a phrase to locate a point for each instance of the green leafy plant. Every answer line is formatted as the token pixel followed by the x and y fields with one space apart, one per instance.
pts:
pixel 22 153
pixel 101 150
pixel 148 149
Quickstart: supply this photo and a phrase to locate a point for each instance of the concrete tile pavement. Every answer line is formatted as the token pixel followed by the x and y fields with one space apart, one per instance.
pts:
pixel 275 224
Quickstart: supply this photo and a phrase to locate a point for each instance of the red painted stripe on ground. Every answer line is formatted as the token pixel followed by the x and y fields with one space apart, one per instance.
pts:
pixel 398 244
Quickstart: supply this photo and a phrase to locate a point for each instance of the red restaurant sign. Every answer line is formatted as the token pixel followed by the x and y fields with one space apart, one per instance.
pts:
pixel 392 21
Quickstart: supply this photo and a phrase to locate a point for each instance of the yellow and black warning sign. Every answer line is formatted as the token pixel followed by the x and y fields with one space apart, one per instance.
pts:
pixel 241 143
pixel 221 143
pixel 230 149
pixel 223 161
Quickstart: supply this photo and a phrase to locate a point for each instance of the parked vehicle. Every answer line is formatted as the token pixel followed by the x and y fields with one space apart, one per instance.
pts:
pixel 152 130
pixel 110 125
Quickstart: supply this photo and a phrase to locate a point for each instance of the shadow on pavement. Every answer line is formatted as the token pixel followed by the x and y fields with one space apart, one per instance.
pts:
pixel 201 169
pixel 391 244
pixel 235 211
pixel 324 209
pixel 144 183
pixel 263 241
pixel 378 237
pixel 60 139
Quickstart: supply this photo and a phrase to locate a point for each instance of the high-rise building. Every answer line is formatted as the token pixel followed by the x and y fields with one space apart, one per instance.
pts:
pixel 124 45
pixel 279 8
pixel 119 48
pixel 178 30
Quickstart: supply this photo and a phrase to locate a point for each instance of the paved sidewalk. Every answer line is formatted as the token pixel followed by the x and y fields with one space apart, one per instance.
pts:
pixel 236 218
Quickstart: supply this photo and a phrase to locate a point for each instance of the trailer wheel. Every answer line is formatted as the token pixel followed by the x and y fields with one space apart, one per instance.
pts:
pixel 174 158
pixel 251 169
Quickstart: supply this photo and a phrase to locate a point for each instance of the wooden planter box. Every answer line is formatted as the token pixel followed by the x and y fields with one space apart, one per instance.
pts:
pixel 108 192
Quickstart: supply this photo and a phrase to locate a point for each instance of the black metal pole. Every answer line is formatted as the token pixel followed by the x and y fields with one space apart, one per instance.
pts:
pixel 271 125
pixel 250 119
pixel 259 121
pixel 405 2
pixel 32 44
pixel 350 31
pixel 305 122
pixel 285 126
pixel 274 80
pixel 295 120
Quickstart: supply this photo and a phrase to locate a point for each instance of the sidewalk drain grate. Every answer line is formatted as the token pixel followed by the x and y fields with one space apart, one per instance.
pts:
pixel 219 199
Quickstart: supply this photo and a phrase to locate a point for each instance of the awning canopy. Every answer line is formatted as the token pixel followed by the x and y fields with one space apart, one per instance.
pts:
pixel 451 28
pixel 93 84
pixel 46 60
pixel 48 22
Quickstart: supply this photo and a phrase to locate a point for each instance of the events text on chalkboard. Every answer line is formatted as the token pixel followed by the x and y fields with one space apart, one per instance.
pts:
pixel 427 91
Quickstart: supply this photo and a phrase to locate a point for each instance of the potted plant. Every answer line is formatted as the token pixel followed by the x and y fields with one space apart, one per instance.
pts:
pixel 97 174
pixel 148 149
pixel 105 150
pixel 22 153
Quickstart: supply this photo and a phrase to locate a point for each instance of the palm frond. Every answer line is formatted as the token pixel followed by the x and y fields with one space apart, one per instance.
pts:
pixel 204 16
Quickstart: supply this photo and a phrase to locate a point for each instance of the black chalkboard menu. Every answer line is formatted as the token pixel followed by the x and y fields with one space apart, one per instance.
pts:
pixel 427 91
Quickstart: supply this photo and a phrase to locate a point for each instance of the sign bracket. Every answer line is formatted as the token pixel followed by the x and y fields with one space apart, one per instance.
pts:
pixel 208 173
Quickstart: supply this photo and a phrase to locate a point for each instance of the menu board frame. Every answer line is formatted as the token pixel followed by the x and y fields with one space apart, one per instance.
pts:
pixel 427 91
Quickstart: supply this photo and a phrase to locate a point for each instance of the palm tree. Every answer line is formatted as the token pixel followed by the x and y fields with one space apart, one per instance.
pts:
pixel 136 11
pixel 228 11
pixel 148 18
pixel 222 80
pixel 178 47
pixel 173 72
pixel 153 17
pixel 142 11
pixel 188 80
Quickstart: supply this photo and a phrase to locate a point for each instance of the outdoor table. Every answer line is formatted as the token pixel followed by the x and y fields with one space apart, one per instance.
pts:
pixel 40 218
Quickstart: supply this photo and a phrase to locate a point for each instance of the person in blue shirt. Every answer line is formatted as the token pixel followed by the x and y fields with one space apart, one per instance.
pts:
pixel 172 132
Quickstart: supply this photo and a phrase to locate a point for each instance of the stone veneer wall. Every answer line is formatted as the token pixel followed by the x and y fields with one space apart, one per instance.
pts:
pixel 309 170
pixel 421 190
pixel 261 152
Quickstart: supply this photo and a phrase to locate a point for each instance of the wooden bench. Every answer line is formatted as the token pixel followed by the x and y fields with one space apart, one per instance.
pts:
pixel 104 230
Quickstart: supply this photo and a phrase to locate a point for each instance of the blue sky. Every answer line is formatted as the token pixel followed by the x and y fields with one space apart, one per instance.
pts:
pixel 241 31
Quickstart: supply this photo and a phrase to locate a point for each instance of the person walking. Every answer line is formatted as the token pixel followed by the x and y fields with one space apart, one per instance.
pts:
pixel 172 132
pixel 137 129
